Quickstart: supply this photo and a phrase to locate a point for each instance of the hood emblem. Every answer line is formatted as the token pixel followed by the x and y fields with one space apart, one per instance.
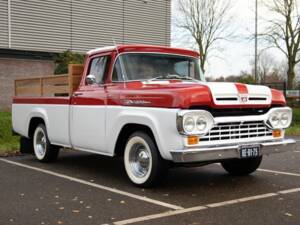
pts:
pixel 243 98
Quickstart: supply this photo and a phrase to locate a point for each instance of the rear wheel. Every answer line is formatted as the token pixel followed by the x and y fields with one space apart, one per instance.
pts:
pixel 43 150
pixel 143 163
pixel 240 167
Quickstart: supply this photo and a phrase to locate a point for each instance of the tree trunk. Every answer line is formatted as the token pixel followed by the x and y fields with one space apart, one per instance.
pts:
pixel 291 76
pixel 202 64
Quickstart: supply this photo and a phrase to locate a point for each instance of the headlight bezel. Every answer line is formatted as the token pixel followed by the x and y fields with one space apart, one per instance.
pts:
pixel 279 113
pixel 204 115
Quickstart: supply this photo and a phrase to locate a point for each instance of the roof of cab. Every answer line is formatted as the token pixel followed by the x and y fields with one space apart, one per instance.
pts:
pixel 144 48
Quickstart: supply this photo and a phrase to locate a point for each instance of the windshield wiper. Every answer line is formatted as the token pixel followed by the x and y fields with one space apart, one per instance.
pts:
pixel 172 76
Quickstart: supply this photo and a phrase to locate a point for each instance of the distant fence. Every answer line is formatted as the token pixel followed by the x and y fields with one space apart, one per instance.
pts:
pixel 292 96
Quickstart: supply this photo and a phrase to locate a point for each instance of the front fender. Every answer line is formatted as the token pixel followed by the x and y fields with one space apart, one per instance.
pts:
pixel 161 121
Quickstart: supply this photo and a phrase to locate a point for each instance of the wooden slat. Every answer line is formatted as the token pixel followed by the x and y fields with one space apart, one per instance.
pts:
pixel 76 80
pixel 41 86
pixel 29 91
pixel 56 80
pixel 34 78
pixel 52 90
pixel 71 86
pixel 76 69
pixel 28 82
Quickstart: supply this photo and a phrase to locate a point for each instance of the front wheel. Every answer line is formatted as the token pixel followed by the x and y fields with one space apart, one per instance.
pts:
pixel 240 167
pixel 143 163
pixel 43 150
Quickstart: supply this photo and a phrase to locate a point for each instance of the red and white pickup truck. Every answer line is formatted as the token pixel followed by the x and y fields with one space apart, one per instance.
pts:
pixel 152 106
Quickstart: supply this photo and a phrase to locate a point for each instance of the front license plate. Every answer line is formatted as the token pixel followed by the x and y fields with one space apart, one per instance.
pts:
pixel 249 152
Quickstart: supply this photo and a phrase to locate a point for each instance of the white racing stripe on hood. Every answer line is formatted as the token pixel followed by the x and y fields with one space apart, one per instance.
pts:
pixel 222 89
pixel 225 93
pixel 228 94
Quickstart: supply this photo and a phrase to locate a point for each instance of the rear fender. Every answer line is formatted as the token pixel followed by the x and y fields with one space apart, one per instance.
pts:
pixel 37 113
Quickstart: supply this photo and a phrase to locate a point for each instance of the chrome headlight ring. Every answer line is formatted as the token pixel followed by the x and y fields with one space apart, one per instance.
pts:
pixel 279 118
pixel 194 122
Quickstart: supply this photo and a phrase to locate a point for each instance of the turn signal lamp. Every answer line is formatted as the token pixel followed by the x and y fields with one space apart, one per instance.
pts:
pixel 193 140
pixel 277 133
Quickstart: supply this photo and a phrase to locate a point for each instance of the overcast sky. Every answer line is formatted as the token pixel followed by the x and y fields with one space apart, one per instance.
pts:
pixel 237 54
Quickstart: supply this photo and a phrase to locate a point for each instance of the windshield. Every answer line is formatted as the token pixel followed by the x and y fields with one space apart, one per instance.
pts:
pixel 152 66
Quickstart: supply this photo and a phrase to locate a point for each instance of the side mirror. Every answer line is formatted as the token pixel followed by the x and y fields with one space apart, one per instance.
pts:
pixel 90 79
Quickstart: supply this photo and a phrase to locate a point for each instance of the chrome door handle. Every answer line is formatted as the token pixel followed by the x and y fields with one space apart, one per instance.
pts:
pixel 77 94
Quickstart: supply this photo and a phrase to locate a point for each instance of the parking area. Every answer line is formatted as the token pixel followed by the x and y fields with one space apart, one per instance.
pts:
pixel 83 188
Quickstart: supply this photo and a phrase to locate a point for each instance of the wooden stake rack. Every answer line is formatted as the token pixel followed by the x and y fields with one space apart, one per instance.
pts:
pixel 50 86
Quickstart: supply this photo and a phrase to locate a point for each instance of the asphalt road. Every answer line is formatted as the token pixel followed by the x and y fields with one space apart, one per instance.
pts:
pixel 82 188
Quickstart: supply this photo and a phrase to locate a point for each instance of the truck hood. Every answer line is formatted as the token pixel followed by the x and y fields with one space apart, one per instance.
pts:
pixel 181 94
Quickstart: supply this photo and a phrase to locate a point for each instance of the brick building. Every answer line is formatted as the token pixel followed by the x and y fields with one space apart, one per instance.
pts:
pixel 33 31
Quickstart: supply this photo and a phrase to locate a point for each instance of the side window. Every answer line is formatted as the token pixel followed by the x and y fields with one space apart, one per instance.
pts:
pixel 117 72
pixel 98 68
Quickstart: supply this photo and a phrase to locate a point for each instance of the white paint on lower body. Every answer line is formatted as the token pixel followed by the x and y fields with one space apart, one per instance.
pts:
pixel 113 190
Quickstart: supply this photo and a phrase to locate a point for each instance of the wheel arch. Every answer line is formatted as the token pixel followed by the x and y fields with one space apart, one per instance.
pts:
pixel 34 122
pixel 36 117
pixel 125 133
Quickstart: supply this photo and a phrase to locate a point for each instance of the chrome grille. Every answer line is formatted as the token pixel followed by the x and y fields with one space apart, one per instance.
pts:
pixel 237 130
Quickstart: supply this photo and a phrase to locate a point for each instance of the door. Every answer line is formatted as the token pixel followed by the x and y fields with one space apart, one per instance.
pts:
pixel 88 108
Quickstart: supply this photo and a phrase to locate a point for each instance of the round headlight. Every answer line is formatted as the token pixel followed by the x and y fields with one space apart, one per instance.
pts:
pixel 274 120
pixel 189 124
pixel 201 124
pixel 284 119
pixel 194 122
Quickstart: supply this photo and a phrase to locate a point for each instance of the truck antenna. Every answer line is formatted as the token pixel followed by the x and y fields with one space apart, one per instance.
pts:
pixel 121 61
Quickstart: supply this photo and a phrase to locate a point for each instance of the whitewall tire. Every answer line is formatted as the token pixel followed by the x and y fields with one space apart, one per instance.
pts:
pixel 43 150
pixel 143 163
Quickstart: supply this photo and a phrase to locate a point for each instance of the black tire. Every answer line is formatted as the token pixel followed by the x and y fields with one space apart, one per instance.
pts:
pixel 159 166
pixel 51 151
pixel 26 145
pixel 240 167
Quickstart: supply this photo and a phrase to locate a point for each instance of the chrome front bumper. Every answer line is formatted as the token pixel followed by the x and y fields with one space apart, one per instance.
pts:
pixel 215 153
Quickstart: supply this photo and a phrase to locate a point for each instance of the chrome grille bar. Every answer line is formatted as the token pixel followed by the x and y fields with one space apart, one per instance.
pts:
pixel 237 130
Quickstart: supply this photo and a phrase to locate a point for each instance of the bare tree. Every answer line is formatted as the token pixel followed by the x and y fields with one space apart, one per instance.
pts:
pixel 283 33
pixel 266 65
pixel 207 21
pixel 269 70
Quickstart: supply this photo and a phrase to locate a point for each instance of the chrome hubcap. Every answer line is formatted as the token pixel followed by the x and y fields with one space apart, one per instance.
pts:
pixel 139 160
pixel 40 144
